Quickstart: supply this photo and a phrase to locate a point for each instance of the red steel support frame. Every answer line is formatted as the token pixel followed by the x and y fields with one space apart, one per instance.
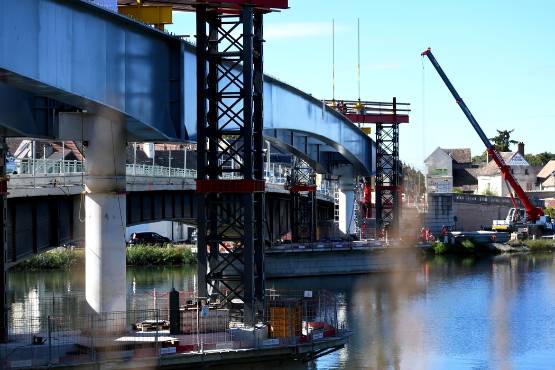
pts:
pixel 230 144
pixel 386 117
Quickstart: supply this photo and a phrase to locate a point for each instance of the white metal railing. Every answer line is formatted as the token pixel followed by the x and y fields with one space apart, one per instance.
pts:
pixel 158 171
pixel 39 167
pixel 273 173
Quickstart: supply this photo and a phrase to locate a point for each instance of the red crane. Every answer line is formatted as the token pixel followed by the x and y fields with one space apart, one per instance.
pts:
pixel 533 213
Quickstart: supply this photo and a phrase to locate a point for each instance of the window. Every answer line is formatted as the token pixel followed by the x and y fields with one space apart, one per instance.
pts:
pixel 526 171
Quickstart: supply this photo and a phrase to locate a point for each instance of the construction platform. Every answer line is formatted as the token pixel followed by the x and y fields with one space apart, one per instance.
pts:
pixel 148 357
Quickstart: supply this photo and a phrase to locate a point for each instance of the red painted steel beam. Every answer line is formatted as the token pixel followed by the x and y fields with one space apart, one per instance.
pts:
pixel 266 4
pixel 230 186
pixel 189 5
pixel 377 118
pixel 300 188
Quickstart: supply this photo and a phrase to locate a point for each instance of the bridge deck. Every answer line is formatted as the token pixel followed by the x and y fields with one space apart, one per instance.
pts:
pixel 86 57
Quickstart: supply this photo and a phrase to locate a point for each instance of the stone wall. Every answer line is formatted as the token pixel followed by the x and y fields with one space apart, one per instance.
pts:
pixel 465 212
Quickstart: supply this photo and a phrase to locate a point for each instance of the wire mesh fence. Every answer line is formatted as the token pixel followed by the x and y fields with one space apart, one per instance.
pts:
pixel 56 336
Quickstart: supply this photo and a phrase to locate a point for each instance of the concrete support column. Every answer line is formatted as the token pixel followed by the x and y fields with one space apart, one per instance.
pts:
pixel 346 198
pixel 346 208
pixel 105 210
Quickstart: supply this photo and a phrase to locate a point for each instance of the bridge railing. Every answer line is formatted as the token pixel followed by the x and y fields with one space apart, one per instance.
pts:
pixel 158 171
pixel 48 166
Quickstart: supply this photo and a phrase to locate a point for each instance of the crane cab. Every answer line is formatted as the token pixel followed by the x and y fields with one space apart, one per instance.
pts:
pixel 515 218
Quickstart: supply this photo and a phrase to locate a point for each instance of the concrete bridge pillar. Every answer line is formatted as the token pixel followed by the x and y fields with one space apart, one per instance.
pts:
pixel 346 199
pixel 346 208
pixel 105 207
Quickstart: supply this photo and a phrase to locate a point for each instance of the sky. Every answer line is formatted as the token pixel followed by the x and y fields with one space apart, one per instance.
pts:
pixel 499 55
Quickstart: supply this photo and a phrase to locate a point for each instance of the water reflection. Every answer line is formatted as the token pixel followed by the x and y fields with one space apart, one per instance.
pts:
pixel 472 313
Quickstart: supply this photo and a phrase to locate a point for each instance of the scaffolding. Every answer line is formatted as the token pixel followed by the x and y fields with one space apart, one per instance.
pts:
pixel 387 117
pixel 301 184
pixel 229 125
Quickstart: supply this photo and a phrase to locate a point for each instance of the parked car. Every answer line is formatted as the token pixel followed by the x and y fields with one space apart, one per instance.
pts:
pixel 148 238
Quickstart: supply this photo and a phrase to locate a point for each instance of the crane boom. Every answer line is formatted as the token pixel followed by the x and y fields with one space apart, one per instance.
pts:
pixel 532 212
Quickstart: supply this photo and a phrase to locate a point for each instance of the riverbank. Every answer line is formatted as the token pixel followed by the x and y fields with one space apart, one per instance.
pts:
pixel 136 255
pixel 468 247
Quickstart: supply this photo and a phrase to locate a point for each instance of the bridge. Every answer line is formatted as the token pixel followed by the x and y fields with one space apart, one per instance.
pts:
pixel 75 71
pixel 45 207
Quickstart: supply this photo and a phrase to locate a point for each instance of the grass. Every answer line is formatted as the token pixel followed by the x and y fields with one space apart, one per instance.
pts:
pixel 539 244
pixel 56 259
pixel 143 255
pixel 136 255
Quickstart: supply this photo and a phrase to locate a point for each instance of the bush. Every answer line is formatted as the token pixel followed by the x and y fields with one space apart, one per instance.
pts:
pixel 439 248
pixel 137 255
pixel 549 211
pixel 142 255
pixel 56 259
pixel 468 245
pixel 488 192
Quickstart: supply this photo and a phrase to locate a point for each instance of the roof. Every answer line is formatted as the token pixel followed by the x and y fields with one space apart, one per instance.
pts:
pixel 549 183
pixel 436 150
pixel 459 155
pixel 491 169
pixel 13 144
pixel 547 170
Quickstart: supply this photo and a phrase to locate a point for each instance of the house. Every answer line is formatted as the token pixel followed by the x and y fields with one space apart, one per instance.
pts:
pixel 490 181
pixel 546 177
pixel 449 169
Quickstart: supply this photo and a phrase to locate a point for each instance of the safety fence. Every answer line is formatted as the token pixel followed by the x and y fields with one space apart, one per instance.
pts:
pixel 47 166
pixel 159 171
pixel 192 326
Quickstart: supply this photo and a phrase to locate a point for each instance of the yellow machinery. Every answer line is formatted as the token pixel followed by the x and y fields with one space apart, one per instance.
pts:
pixel 156 15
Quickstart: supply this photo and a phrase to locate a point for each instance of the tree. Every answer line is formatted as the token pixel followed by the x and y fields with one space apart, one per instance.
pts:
pixel 477 159
pixel 503 141
pixel 539 160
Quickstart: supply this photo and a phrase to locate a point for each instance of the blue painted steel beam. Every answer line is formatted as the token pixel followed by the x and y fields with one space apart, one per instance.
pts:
pixel 93 59
pixel 83 55
pixel 288 111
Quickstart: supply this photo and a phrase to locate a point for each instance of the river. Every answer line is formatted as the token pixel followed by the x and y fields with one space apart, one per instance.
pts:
pixel 490 313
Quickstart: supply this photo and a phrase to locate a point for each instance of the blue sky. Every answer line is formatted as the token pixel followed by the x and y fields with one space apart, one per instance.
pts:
pixel 500 55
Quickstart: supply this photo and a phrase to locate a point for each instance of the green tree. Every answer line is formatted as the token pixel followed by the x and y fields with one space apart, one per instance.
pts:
pixel 480 158
pixel 539 159
pixel 502 141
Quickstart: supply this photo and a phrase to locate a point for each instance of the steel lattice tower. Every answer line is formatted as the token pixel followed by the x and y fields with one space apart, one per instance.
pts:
pixel 230 178
pixel 388 175
pixel 302 189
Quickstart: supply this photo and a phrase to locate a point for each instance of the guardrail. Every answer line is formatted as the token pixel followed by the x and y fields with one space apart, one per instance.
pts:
pixel 158 171
pixel 47 168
